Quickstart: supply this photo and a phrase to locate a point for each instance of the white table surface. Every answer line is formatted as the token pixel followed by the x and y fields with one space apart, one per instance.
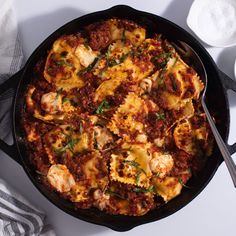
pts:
pixel 213 212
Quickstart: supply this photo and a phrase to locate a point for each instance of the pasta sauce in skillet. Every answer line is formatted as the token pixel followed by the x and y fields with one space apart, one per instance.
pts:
pixel 113 119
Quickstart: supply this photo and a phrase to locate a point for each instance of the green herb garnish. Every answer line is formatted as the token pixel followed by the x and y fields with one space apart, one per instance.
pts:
pixel 151 189
pixel 64 63
pixel 80 127
pixel 71 142
pixel 89 68
pixel 107 54
pixel 181 182
pixel 95 142
pixel 65 100
pixel 137 166
pixel 114 62
pixel 162 76
pixel 174 85
pixel 137 179
pixel 161 60
pixel 70 145
pixel 160 116
pixel 112 193
pixel 132 163
pixel 123 35
pixel 104 105
pixel 157 174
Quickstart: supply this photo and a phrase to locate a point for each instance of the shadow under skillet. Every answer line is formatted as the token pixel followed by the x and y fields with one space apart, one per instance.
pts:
pixel 36 30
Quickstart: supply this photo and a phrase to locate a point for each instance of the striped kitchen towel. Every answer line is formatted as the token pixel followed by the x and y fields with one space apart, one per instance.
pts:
pixel 17 216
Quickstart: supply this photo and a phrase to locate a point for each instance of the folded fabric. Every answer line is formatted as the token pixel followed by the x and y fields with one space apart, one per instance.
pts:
pixel 17 216
pixel 11 57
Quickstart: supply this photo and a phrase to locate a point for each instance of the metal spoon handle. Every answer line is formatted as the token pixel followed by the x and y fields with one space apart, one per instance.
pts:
pixel 223 149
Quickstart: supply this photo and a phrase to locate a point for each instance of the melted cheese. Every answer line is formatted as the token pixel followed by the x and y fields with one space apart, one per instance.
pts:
pixel 85 54
pixel 51 102
pixel 102 136
pixel 60 178
pixel 161 164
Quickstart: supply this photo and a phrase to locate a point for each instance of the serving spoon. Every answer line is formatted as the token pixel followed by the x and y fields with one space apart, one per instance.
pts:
pixel 190 56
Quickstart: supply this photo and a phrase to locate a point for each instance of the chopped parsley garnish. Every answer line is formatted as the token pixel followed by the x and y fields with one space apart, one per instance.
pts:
pixel 160 115
pixel 114 62
pixel 65 100
pixel 132 163
pixel 137 179
pixel 107 54
pixel 156 174
pixel 80 127
pixel 162 76
pixel 161 60
pixel 95 141
pixel 89 68
pixel 151 189
pixel 176 59
pixel 64 63
pixel 181 182
pixel 174 85
pixel 103 105
pixel 70 143
pixel 112 193
pixel 137 166
pixel 123 35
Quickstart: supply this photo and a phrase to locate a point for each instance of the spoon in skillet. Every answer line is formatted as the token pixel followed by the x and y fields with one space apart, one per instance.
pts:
pixel 191 57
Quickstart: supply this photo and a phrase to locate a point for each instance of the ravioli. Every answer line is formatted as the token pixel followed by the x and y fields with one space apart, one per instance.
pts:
pixel 133 169
pixel 123 122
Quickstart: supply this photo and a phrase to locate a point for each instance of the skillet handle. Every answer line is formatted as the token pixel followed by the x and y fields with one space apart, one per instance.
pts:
pixel 11 83
pixel 229 84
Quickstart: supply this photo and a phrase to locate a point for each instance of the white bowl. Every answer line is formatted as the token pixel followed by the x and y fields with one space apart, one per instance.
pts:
pixel 214 21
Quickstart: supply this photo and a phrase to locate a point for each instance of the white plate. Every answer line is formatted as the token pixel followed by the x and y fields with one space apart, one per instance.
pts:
pixel 214 21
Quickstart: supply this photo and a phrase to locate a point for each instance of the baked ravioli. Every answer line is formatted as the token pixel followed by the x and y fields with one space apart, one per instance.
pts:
pixel 113 119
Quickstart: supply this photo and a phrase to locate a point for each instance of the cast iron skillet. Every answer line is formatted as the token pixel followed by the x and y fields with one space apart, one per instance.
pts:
pixel 217 102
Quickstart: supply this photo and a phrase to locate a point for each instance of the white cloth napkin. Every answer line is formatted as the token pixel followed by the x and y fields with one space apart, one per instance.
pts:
pixel 17 216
